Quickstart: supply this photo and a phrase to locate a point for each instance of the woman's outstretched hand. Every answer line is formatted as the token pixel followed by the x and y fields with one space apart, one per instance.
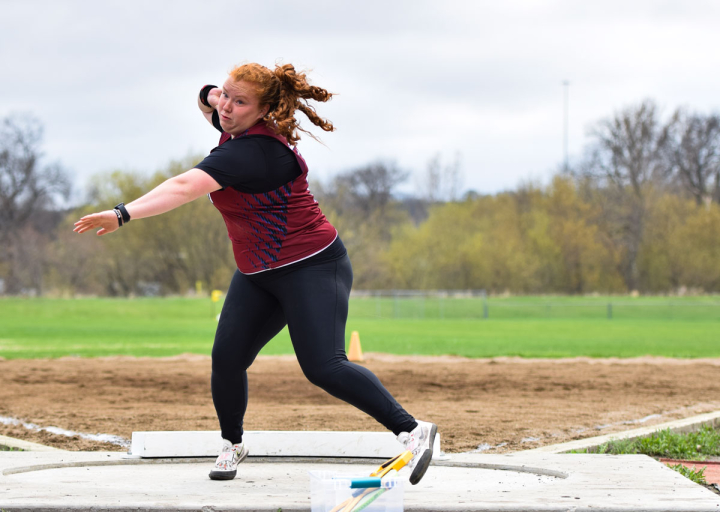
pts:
pixel 106 220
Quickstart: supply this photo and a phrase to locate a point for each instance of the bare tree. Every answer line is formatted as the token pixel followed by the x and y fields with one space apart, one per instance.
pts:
pixel 627 156
pixel 26 190
pixel 371 187
pixel 629 148
pixel 694 154
pixel 441 182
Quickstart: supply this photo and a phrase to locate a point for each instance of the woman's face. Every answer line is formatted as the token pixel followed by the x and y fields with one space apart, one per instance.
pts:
pixel 239 107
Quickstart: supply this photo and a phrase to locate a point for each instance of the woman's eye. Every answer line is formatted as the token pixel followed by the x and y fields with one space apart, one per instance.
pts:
pixel 238 102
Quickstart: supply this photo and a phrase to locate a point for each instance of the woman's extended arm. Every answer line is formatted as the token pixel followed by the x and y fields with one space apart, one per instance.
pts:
pixel 170 194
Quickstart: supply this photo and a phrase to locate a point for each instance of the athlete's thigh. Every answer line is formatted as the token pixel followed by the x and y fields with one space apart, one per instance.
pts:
pixel 316 309
pixel 250 318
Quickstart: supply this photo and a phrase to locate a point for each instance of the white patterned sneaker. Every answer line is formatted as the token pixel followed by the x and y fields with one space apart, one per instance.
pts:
pixel 420 443
pixel 228 460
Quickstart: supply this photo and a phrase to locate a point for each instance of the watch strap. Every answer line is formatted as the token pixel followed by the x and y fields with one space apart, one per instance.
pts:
pixel 123 212
pixel 204 94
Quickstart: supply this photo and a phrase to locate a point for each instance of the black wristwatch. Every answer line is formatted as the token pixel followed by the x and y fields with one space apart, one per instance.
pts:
pixel 204 94
pixel 123 212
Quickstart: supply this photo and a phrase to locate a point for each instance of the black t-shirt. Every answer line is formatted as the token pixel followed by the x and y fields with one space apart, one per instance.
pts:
pixel 252 164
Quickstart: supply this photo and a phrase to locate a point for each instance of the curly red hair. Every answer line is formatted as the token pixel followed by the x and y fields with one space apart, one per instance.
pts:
pixel 284 90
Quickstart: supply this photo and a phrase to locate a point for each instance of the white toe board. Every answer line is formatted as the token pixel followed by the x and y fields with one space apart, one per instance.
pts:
pixel 271 444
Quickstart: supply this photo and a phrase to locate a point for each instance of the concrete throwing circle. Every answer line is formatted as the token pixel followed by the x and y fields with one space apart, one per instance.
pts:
pixel 259 485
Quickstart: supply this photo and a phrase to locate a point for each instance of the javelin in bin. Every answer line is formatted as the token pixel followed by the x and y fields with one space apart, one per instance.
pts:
pixel 372 486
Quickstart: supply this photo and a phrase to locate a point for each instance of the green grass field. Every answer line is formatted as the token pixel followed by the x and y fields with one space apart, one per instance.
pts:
pixel 526 326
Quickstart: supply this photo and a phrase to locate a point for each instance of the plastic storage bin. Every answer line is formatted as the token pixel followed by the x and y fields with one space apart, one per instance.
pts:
pixel 329 489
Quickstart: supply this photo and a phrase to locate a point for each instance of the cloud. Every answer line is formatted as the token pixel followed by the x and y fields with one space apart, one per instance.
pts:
pixel 115 82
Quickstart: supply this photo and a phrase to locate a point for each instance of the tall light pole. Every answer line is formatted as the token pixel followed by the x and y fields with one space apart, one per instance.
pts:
pixel 566 87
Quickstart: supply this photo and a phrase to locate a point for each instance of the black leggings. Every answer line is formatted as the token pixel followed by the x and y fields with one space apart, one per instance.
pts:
pixel 313 302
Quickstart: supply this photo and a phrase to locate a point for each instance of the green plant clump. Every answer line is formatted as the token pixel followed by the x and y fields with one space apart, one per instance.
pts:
pixel 4 448
pixel 696 475
pixel 666 443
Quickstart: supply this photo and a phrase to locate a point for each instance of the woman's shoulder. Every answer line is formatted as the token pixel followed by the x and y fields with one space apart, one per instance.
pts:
pixel 267 144
pixel 238 145
pixel 253 140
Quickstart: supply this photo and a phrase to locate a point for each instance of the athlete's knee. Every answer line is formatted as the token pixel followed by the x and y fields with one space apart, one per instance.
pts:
pixel 220 365
pixel 225 359
pixel 326 376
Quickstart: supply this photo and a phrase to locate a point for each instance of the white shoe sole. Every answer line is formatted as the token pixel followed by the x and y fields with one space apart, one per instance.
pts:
pixel 424 462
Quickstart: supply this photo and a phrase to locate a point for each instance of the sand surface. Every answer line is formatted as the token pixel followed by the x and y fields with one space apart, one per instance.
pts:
pixel 501 405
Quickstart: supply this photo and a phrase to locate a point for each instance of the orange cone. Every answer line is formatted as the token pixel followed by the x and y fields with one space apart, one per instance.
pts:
pixel 355 354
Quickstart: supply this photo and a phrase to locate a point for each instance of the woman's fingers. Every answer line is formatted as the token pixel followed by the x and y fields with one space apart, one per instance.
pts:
pixel 88 222
pixel 106 220
pixel 83 225
pixel 86 218
pixel 79 227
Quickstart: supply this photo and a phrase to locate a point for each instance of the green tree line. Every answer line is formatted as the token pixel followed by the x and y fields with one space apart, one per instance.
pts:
pixel 640 210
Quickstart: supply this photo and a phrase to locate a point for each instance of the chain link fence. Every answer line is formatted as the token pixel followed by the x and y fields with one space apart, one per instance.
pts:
pixel 475 304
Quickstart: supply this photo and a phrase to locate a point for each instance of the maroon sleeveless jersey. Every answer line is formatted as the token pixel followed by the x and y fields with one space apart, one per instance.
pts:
pixel 272 229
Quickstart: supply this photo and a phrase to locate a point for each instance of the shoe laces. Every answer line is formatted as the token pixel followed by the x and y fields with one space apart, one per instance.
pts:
pixel 229 447
pixel 412 440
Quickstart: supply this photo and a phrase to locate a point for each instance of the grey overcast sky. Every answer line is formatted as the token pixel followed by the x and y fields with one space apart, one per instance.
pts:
pixel 114 82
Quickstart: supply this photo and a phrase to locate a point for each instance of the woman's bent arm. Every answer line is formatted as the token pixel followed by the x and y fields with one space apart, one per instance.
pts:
pixel 212 98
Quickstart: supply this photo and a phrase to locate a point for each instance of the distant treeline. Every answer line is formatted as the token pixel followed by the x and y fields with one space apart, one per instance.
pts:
pixel 639 211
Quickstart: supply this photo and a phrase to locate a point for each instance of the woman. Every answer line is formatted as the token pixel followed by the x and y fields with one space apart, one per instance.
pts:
pixel 292 267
